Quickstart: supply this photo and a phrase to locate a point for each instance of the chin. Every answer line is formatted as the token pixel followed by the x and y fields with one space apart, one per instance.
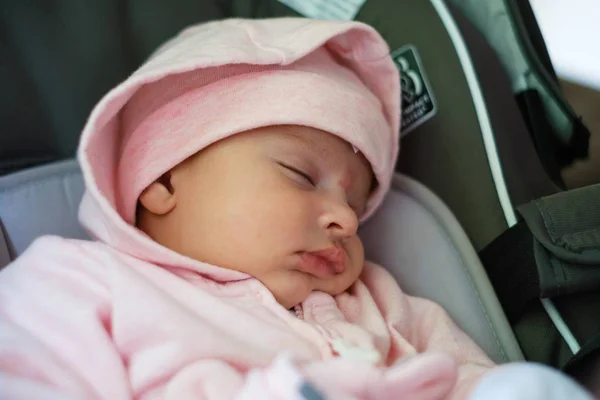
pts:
pixel 298 288
pixel 290 289
pixel 291 301
pixel 294 295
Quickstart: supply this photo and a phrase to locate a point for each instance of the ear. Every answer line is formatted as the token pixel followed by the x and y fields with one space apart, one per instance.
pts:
pixel 159 198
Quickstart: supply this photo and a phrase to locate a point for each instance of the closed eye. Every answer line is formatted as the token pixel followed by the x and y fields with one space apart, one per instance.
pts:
pixel 356 209
pixel 298 172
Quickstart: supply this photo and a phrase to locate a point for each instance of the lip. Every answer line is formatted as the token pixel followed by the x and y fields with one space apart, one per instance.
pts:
pixel 324 263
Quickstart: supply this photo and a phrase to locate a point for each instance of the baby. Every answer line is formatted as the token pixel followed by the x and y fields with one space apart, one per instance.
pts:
pixel 226 180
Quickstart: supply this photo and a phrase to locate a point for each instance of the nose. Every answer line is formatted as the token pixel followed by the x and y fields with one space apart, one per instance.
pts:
pixel 339 220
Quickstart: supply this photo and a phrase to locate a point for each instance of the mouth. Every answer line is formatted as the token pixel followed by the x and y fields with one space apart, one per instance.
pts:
pixel 324 263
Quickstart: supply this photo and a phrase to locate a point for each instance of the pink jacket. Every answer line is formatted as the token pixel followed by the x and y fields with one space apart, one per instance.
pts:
pixel 122 317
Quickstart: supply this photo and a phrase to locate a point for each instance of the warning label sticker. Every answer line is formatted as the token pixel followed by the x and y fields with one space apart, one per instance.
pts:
pixel 418 102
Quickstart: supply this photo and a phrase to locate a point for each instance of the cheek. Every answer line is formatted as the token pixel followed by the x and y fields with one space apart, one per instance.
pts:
pixel 356 255
pixel 254 217
pixel 270 209
pixel 355 248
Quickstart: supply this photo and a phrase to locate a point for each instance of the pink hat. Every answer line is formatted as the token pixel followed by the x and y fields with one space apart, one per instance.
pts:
pixel 222 78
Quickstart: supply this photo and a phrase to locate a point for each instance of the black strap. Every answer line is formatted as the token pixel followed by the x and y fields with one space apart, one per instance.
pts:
pixel 550 149
pixel 554 153
pixel 510 264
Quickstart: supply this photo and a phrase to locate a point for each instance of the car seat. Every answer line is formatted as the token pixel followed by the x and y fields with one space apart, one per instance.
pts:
pixel 413 234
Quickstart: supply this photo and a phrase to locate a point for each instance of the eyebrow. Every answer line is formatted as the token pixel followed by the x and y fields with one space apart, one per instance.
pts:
pixel 313 147
pixel 309 145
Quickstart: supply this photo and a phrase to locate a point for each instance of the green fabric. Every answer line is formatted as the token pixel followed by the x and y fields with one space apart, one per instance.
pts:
pixel 566 229
pixel 57 59
pixel 572 221
pixel 261 9
pixel 558 277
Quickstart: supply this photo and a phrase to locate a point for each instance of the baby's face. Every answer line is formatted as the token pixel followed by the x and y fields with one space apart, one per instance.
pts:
pixel 279 203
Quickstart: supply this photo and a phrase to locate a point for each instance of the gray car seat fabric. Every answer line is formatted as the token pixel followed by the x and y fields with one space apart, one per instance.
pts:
pixel 414 235
pixel 41 201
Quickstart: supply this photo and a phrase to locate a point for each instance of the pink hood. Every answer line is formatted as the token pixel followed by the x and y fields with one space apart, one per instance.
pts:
pixel 267 42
